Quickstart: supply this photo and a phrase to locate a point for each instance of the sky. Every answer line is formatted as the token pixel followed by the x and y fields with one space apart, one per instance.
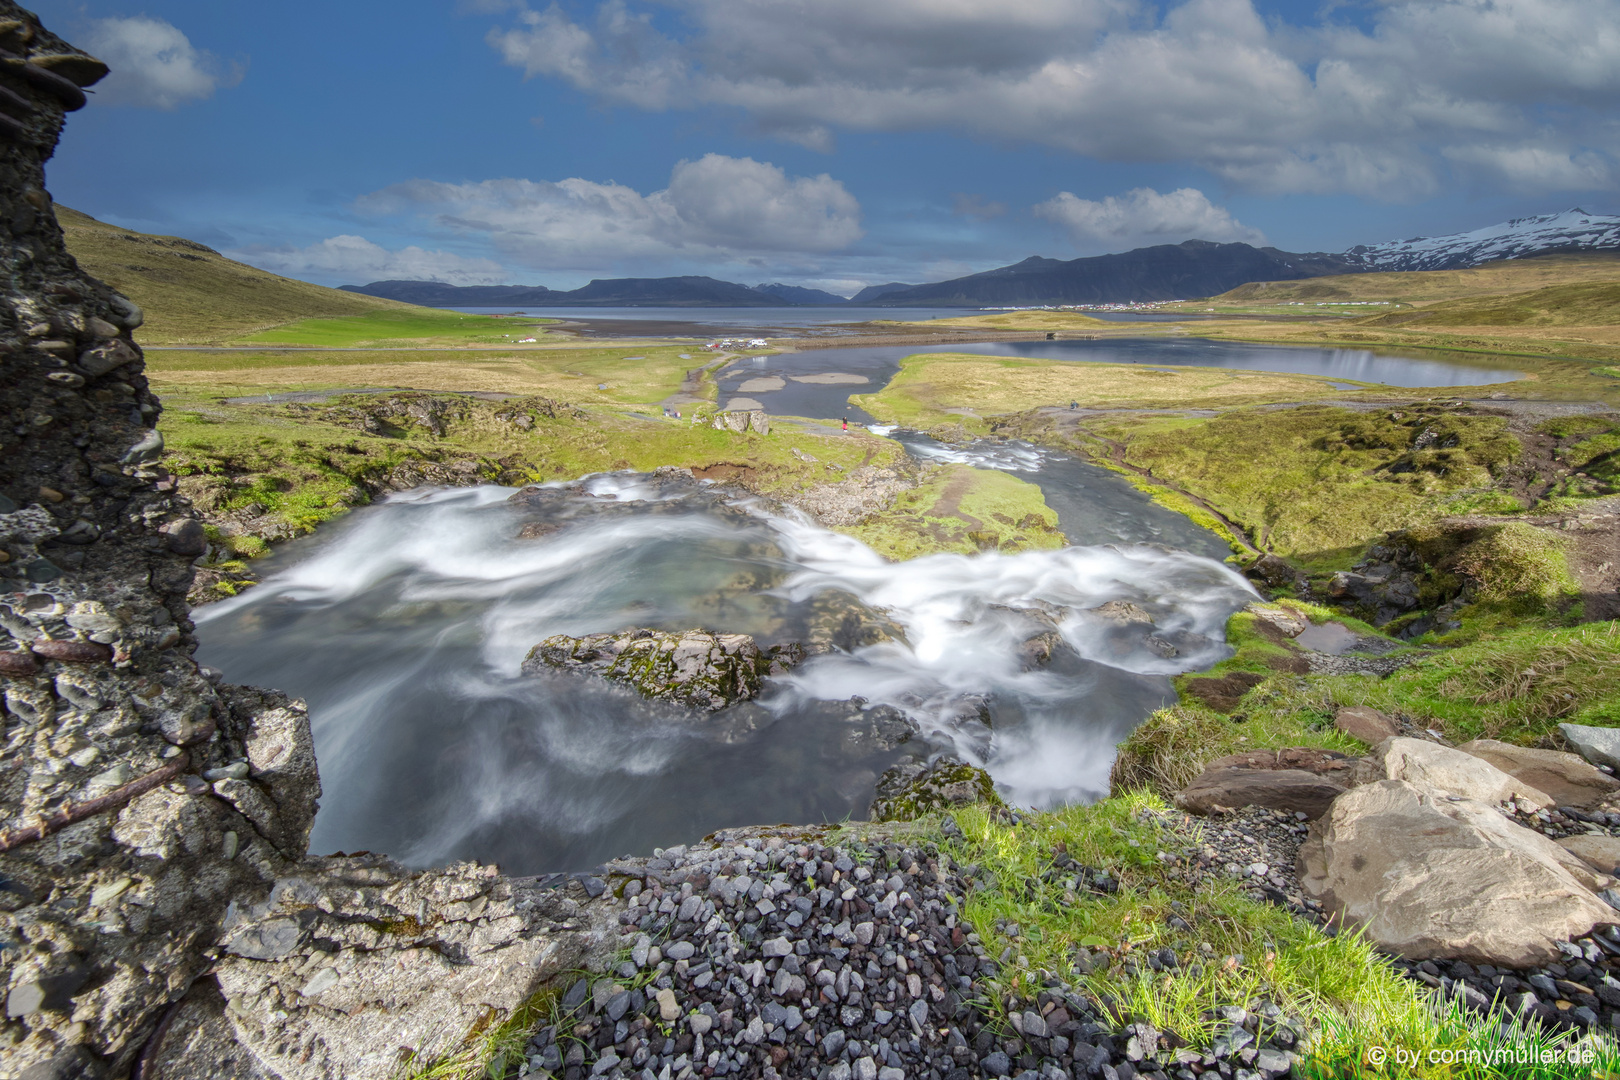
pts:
pixel 827 143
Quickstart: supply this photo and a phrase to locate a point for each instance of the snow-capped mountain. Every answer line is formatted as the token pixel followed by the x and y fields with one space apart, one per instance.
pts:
pixel 1574 230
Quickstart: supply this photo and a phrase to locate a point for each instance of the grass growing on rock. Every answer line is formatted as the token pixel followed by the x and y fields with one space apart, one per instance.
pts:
pixel 964 510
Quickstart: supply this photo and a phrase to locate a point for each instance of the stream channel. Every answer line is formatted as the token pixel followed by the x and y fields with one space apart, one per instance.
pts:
pixel 404 624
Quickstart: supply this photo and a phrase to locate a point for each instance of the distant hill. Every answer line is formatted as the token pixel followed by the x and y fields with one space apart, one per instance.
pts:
pixel 1165 272
pixel 438 294
pixel 606 292
pixel 1572 230
pixel 872 292
pixel 799 295
pixel 1425 287
pixel 190 292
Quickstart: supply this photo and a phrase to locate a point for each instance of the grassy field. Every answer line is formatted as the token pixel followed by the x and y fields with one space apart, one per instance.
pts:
pixel 193 294
pixel 1313 483
pixel 426 327
pixel 588 376
pixel 936 387
pixel 1502 278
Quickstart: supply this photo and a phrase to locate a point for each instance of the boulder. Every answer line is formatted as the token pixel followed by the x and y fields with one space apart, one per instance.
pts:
pixel 1369 725
pixel 1431 877
pixel 1599 745
pixel 1310 759
pixel 1299 779
pixel 913 788
pixel 1440 770
pixel 1601 853
pixel 694 668
pixel 1294 790
pixel 1566 777
pixel 1285 620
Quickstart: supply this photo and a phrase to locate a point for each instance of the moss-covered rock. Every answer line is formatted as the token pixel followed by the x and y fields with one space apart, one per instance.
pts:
pixel 913 789
pixel 694 668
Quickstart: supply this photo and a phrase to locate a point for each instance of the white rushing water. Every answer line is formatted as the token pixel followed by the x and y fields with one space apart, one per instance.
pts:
pixel 404 627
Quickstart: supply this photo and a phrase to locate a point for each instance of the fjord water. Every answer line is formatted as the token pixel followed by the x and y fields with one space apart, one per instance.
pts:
pixel 878 364
pixel 404 626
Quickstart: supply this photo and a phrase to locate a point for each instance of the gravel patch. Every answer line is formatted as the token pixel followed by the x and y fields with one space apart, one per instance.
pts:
pixel 771 954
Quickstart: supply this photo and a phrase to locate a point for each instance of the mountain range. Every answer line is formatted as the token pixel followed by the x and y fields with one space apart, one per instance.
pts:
pixel 1183 271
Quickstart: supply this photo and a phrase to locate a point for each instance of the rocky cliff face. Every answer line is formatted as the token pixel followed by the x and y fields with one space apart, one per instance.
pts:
pixel 154 822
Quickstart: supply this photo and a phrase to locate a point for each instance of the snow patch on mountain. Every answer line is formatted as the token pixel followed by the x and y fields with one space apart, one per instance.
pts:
pixel 1571 230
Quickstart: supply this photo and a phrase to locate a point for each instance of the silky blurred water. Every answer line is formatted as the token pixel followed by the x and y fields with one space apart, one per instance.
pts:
pixel 404 625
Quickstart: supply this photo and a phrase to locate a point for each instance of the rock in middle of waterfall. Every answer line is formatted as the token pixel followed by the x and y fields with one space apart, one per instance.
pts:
pixel 694 668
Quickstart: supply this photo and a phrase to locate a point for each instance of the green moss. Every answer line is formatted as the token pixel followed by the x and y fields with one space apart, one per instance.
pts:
pixel 965 510
pixel 1518 567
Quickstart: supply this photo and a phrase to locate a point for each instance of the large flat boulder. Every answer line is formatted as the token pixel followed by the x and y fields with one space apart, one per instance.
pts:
pixel 1293 790
pixel 1428 876
pixel 1599 745
pixel 1568 778
pixel 1442 770
pixel 694 668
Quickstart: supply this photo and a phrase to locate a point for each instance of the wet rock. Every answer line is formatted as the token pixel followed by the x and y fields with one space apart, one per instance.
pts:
pixel 1274 571
pixel 186 537
pixel 1567 778
pixel 1427 876
pixel 696 668
pixel 912 789
pixel 1369 725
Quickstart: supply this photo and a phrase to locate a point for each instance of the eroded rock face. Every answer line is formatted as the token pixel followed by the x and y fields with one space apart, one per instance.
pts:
pixel 696 668
pixel 1429 877
pixel 1566 778
pixel 914 788
pixel 354 966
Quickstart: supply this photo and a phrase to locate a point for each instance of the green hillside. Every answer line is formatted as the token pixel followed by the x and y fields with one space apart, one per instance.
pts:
pixel 193 294
pixel 1432 286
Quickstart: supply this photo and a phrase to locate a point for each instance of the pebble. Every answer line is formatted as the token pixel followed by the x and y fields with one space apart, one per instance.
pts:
pixel 869 977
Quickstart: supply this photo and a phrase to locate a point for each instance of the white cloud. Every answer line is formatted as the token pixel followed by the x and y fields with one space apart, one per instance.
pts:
pixel 354 260
pixel 1326 107
pixel 154 65
pixel 715 208
pixel 1141 217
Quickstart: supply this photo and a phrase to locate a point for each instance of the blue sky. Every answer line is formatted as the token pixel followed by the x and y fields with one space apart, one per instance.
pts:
pixel 833 143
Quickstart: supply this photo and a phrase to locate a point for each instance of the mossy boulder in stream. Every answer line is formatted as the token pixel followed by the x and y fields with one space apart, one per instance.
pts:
pixel 913 788
pixel 694 668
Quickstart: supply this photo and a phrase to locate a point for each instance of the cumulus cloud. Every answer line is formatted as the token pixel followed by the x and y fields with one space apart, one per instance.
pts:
pixel 154 65
pixel 1143 216
pixel 1425 91
pixel 354 260
pixel 715 208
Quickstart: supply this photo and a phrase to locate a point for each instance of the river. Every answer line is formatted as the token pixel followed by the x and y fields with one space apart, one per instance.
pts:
pixel 404 624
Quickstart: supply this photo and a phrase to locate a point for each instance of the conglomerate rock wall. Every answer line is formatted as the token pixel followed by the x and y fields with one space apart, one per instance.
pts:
pixel 154 822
